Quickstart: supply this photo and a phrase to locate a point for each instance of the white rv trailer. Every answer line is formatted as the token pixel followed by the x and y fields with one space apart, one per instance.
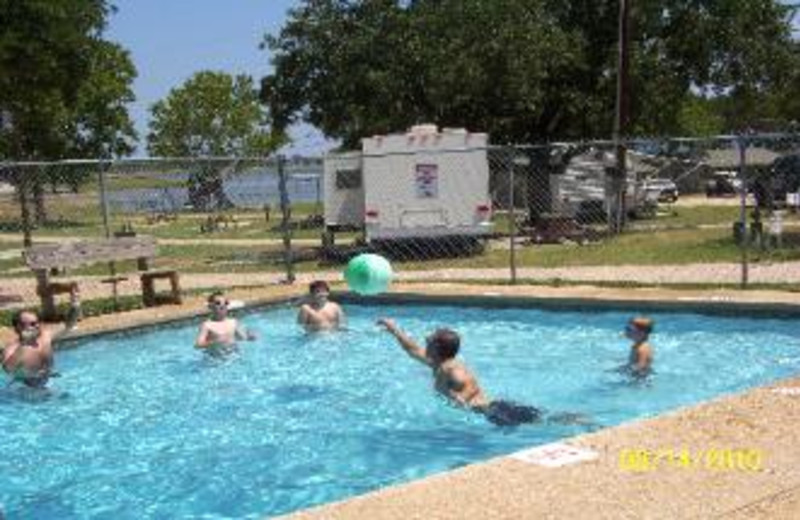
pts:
pixel 422 184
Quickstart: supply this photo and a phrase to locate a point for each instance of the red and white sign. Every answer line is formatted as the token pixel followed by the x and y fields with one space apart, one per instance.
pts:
pixel 554 455
pixel 427 181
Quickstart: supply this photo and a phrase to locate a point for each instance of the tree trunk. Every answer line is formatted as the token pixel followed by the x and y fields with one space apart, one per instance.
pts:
pixel 39 201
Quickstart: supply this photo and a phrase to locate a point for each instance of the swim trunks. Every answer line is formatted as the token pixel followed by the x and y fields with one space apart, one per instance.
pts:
pixel 508 413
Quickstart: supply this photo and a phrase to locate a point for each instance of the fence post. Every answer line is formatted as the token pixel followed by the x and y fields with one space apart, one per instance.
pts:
pixel 286 216
pixel 112 267
pixel 745 240
pixel 25 212
pixel 512 221
pixel 101 179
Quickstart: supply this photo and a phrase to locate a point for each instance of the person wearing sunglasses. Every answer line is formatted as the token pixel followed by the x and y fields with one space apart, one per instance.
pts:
pixel 29 359
pixel 219 333
pixel 640 359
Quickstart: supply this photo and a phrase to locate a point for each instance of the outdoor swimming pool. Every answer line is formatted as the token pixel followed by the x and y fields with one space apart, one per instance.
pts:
pixel 143 426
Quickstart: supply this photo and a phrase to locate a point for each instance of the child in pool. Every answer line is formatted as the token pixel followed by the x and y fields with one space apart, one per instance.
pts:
pixel 219 333
pixel 456 382
pixel 640 359
pixel 321 313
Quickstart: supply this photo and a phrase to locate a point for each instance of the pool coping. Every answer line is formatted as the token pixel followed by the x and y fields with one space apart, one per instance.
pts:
pixel 506 488
pixel 711 306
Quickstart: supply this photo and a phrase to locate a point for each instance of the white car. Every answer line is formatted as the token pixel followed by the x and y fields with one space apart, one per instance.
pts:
pixel 666 189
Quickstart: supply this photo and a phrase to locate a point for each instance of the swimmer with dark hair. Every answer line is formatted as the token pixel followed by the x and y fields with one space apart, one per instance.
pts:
pixel 455 381
pixel 29 359
pixel 219 333
pixel 320 313
pixel 640 359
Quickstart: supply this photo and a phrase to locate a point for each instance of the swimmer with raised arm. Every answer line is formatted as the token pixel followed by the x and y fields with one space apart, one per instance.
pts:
pixel 29 359
pixel 219 333
pixel 455 381
pixel 320 313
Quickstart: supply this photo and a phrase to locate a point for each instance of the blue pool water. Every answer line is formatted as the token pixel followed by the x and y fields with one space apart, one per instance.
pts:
pixel 143 426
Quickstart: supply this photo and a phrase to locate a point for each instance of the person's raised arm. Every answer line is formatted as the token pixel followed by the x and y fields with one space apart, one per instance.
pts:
pixel 52 333
pixel 408 344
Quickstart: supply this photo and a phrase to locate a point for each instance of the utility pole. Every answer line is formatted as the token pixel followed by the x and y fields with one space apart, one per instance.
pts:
pixel 621 120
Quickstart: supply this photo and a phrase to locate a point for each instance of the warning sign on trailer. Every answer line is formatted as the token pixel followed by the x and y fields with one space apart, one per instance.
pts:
pixel 427 181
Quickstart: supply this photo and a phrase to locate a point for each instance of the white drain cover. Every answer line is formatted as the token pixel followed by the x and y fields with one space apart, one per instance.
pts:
pixel 554 455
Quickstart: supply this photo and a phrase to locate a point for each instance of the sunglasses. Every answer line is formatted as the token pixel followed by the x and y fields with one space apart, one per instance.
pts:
pixel 218 305
pixel 29 324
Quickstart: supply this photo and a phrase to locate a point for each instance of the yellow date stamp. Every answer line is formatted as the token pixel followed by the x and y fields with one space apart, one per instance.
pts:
pixel 711 459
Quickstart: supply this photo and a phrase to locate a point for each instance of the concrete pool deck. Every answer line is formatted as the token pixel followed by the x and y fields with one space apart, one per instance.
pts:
pixel 764 420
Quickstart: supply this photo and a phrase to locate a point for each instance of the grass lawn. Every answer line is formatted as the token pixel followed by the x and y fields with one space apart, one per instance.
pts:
pixel 686 235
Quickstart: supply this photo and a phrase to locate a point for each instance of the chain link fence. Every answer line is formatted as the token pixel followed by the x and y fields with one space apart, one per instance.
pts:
pixel 441 205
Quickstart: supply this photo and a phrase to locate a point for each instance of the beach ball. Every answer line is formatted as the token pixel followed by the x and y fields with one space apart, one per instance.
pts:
pixel 368 274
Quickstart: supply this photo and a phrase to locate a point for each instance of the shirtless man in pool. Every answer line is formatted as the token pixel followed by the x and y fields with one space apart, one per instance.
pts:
pixel 320 313
pixel 455 381
pixel 451 378
pixel 219 333
pixel 29 359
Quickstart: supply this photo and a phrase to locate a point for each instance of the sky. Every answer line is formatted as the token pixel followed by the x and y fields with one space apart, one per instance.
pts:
pixel 170 40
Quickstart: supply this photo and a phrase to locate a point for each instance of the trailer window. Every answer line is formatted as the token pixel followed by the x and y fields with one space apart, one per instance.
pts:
pixel 348 179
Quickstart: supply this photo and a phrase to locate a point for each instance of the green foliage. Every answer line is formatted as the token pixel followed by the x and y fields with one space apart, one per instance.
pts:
pixel 524 70
pixel 699 118
pixel 101 126
pixel 211 115
pixel 62 88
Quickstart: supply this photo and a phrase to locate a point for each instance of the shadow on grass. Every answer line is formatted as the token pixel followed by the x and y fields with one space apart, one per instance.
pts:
pixel 15 226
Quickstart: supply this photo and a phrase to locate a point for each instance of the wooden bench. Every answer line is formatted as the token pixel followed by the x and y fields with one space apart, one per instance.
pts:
pixel 46 258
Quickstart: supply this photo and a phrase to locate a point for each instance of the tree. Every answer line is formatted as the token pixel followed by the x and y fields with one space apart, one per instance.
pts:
pixel 522 70
pixel 101 126
pixel 62 87
pixel 211 115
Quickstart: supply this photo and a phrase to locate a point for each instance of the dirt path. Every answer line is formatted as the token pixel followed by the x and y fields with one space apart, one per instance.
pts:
pixel 225 242
pixel 729 273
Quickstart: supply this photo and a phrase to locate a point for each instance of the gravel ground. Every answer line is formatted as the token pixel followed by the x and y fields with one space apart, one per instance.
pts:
pixel 785 272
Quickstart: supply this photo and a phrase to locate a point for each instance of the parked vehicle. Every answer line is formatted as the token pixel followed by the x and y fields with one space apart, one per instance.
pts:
pixel 583 190
pixel 723 184
pixel 425 184
pixel 665 189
